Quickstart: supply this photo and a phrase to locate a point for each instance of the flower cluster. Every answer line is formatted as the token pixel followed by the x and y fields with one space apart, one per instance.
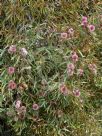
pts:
pixel 68 34
pixel 80 72
pixel 71 66
pixel 13 49
pixel 76 93
pixel 56 79
pixel 11 70
pixel 93 68
pixel 18 104
pixel 74 57
pixel 70 69
pixel 12 85
pixel 21 110
pixel 23 52
pixel 35 106
pixel 85 24
pixel 65 91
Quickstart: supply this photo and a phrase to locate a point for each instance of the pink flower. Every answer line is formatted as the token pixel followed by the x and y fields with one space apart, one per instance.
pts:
pixel 80 72
pixel 18 104
pixel 74 57
pixel 63 89
pixel 21 110
pixel 23 52
pixel 12 49
pixel 91 28
pixel 76 93
pixel 71 66
pixel 70 69
pixel 93 68
pixel 84 24
pixel 84 18
pixel 84 21
pixel 64 35
pixel 35 106
pixel 71 31
pixel 70 72
pixel 12 85
pixel 11 70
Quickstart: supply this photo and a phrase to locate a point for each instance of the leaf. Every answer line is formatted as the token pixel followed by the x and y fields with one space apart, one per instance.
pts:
pixel 1 100
pixel 1 110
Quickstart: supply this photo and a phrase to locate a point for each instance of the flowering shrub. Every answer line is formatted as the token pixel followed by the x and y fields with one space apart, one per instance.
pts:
pixel 51 79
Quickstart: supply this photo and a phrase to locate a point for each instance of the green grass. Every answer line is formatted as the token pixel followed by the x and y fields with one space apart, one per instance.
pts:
pixel 36 25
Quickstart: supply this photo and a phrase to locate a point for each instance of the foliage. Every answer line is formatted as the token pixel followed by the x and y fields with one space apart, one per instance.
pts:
pixel 40 95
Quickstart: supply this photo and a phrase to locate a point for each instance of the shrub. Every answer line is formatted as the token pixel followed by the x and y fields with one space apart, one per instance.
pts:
pixel 51 70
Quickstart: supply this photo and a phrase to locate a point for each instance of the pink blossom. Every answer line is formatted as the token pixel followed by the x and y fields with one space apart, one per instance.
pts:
pixel 70 72
pixel 71 66
pixel 12 85
pixel 84 24
pixel 84 21
pixel 11 70
pixel 17 104
pixel 70 69
pixel 64 35
pixel 21 110
pixel 84 18
pixel 76 93
pixel 12 49
pixel 63 89
pixel 71 31
pixel 35 106
pixel 23 52
pixel 93 68
pixel 74 57
pixel 80 72
pixel 91 28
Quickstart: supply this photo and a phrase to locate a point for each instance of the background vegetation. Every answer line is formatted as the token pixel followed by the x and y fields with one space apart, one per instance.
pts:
pixel 36 25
